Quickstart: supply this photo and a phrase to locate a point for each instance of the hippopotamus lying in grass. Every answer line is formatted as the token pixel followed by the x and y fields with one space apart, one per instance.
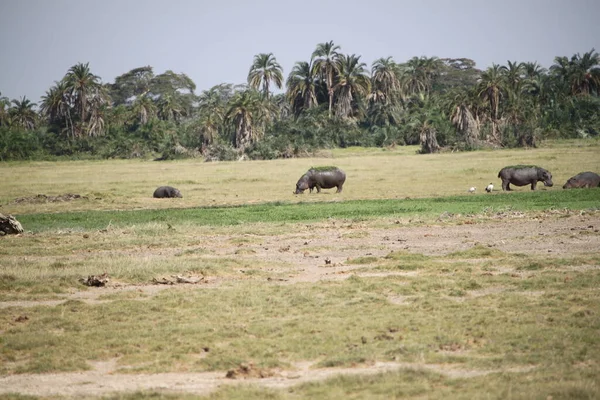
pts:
pixel 321 178
pixel 164 192
pixel 521 175
pixel 583 180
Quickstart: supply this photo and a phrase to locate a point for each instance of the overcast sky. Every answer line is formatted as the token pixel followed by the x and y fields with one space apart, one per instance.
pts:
pixel 215 41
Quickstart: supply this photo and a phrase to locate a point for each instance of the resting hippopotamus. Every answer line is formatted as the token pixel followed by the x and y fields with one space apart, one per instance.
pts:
pixel 583 180
pixel 521 175
pixel 321 178
pixel 164 192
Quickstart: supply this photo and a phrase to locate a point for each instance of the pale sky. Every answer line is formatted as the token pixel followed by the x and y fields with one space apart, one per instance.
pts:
pixel 215 41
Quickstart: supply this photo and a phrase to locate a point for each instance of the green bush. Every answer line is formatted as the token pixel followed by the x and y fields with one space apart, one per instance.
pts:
pixel 16 144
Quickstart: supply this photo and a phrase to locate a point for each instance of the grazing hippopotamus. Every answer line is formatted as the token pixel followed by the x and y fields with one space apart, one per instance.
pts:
pixel 521 175
pixel 321 178
pixel 583 180
pixel 164 192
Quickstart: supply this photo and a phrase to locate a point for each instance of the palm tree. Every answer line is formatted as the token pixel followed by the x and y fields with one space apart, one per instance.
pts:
pixel 56 107
pixel 215 98
pixel 212 107
pixel 265 69
pixel 282 109
pixel 22 114
pixel 99 103
pixel 513 79
pixel 491 87
pixel 55 102
pixel 514 109
pixel 169 108
pixel 4 106
pixel 535 80
pixel 425 117
pixel 418 74
pixel 97 120
pixel 385 96
pixel 353 85
pixel 581 73
pixel 463 116
pixel 384 114
pixel 585 78
pixel 532 70
pixel 324 60
pixel 83 85
pixel 384 81
pixel 247 112
pixel 144 109
pixel 301 87
pixel 208 126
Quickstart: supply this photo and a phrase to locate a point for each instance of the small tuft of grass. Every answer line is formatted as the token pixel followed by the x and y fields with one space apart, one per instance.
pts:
pixel 362 260
pixel 521 166
pixel 355 235
pixel 531 266
pixel 324 168
pixel 471 285
pixel 245 251
pixel 194 251
pixel 406 256
pixel 478 251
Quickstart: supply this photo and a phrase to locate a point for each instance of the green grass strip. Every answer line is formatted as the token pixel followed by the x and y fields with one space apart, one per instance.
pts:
pixel 296 212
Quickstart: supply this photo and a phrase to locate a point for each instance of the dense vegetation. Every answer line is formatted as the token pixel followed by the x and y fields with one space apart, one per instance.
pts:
pixel 331 100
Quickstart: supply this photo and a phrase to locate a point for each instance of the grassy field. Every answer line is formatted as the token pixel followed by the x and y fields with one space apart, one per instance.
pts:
pixel 371 174
pixel 458 295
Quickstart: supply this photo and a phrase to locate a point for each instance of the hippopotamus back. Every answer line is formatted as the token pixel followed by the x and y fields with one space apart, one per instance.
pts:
pixel 164 192
pixel 583 180
pixel 521 175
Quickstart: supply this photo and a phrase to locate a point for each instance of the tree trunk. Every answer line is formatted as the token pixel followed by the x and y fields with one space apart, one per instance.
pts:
pixel 495 136
pixel 471 130
pixel 243 135
pixel 9 225
pixel 428 141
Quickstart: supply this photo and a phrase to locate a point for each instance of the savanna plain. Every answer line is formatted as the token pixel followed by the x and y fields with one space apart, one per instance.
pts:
pixel 402 286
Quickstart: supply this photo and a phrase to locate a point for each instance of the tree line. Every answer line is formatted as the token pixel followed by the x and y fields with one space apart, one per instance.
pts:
pixel 333 99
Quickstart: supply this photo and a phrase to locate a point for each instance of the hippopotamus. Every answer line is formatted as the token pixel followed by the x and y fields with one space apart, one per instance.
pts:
pixel 164 192
pixel 321 178
pixel 583 180
pixel 521 175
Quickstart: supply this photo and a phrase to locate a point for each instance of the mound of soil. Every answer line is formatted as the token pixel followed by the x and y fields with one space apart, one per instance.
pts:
pixel 249 371
pixel 42 198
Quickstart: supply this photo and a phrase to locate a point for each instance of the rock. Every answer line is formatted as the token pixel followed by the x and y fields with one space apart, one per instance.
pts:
pixel 9 225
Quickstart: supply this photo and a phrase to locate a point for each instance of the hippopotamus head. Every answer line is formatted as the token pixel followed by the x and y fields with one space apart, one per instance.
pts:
pixel 302 185
pixel 545 176
pixel 573 182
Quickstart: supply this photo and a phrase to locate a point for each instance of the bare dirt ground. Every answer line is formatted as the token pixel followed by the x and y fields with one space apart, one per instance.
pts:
pixel 102 379
pixel 314 253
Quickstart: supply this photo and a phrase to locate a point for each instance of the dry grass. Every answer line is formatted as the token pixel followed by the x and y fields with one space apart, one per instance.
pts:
pixel 372 174
pixel 524 323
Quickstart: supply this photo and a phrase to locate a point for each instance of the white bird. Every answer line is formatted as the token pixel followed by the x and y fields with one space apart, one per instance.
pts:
pixel 489 188
pixel 472 190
